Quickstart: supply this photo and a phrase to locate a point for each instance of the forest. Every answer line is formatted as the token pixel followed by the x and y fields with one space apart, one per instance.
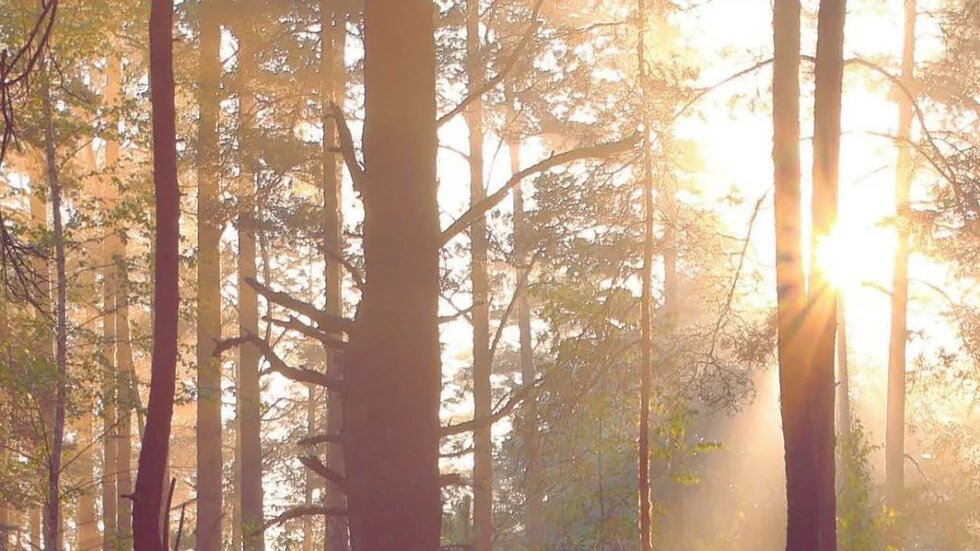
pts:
pixel 425 275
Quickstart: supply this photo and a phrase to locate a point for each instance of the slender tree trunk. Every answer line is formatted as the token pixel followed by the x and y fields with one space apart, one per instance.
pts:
pixel 895 426
pixel 479 279
pixel 646 298
pixel 534 513
pixel 149 495
pixel 333 90
pixel 52 516
pixel 209 430
pixel 249 400
pixel 843 378
pixel 794 376
pixel 34 521
pixel 110 304
pixel 821 295
pixel 393 385
pixel 86 521
pixel 127 401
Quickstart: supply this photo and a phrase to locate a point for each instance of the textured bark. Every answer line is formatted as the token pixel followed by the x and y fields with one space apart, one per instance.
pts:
pixel 646 299
pixel 479 279
pixel 126 402
pixel 209 430
pixel 52 506
pixel 110 292
pixel 393 383
pixel 249 400
pixel 333 90
pixel 794 376
pixel 821 295
pixel 149 494
pixel 898 334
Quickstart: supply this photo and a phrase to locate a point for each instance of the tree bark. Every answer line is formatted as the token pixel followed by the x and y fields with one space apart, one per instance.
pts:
pixel 843 377
pixel 333 90
pixel 249 399
pixel 52 512
pixel 393 379
pixel 898 333
pixel 794 375
pixel 534 501
pixel 646 297
pixel 110 302
pixel 209 429
pixel 479 279
pixel 821 295
pixel 149 494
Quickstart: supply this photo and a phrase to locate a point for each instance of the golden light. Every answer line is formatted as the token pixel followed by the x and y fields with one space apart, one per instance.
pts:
pixel 853 256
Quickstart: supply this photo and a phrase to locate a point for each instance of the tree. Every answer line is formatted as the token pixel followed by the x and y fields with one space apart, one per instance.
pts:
pixel 895 427
pixel 148 497
pixel 479 279
pixel 392 375
pixel 209 456
pixel 821 296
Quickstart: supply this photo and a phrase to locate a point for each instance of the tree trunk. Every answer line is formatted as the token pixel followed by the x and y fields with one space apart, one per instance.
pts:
pixel 249 400
pixel 52 513
pixel 209 430
pixel 534 501
pixel 479 279
pixel 127 401
pixel 821 295
pixel 333 90
pixel 646 298
pixel 898 335
pixel 794 376
pixel 149 495
pixel 393 384
pixel 843 378
pixel 110 304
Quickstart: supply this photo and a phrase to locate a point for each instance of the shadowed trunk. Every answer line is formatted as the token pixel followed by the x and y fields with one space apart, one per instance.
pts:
pixel 393 380
pixel 149 495
pixel 821 294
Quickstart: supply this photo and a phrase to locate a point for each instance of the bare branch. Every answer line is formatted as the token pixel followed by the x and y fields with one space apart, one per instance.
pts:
pixel 301 512
pixel 314 464
pixel 453 479
pixel 295 324
pixel 346 147
pixel 499 412
pixel 485 205
pixel 278 365
pixel 327 321
pixel 515 56
pixel 318 439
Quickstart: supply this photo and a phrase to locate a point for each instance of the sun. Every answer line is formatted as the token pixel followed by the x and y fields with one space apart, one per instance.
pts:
pixel 853 256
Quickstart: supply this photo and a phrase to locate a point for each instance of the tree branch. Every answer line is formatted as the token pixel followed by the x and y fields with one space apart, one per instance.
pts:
pixel 278 365
pixel 314 464
pixel 327 321
pixel 485 205
pixel 300 512
pixel 318 439
pixel 346 147
pixel 515 56
pixel 295 324
pixel 499 412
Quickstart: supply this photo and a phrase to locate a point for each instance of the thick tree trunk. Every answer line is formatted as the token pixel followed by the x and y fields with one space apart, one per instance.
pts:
pixel 895 426
pixel 52 513
pixel 249 400
pixel 794 375
pixel 110 303
pixel 479 279
pixel 646 300
pixel 209 430
pixel 821 295
pixel 393 383
pixel 149 495
pixel 333 90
